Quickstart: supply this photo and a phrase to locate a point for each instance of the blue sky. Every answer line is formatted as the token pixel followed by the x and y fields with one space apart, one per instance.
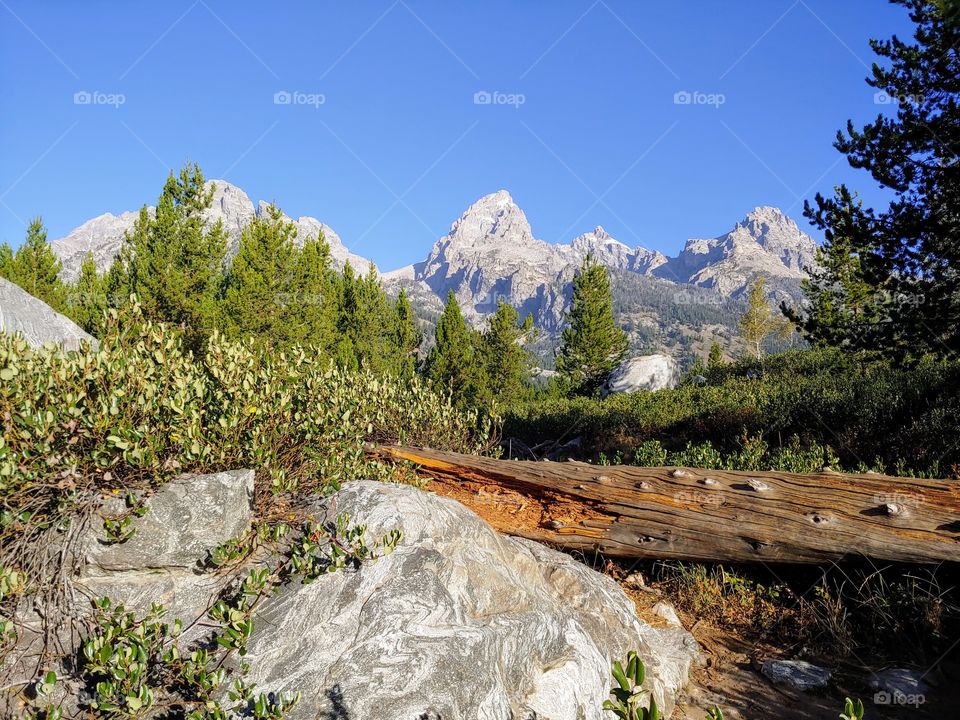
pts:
pixel 585 129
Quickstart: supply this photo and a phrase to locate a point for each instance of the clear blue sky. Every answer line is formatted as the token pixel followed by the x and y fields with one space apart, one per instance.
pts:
pixel 399 148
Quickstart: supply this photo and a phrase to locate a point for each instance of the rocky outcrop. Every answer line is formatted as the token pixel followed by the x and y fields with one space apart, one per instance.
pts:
pixel 458 622
pixel 103 236
pixel 647 372
pixel 21 312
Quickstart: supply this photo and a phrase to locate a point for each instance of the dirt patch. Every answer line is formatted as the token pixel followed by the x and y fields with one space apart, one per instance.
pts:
pixel 731 678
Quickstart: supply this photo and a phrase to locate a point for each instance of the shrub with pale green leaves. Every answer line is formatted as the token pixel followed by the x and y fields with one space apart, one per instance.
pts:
pixel 143 409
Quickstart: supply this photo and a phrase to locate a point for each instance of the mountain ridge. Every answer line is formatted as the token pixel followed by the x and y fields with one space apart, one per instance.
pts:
pixel 491 253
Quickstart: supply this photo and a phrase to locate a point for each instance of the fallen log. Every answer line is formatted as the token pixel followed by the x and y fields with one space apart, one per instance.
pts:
pixel 707 515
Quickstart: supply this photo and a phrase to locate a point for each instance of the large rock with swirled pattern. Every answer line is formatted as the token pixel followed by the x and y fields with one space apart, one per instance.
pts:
pixel 458 622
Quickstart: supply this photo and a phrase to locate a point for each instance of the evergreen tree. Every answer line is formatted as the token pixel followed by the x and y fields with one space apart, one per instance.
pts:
pixel 314 321
pixel 759 321
pixel 257 297
pixel 87 298
pixel 407 337
pixel 506 363
pixel 6 261
pixel 36 269
pixel 592 344
pixel 172 261
pixel 454 365
pixel 891 278
pixel 366 323
pixel 715 358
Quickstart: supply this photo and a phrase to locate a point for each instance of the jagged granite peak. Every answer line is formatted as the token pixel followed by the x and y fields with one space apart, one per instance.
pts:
pixel 614 254
pixel 765 242
pixel 103 235
pixel 491 254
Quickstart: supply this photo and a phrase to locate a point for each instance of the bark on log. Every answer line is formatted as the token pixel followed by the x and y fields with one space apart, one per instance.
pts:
pixel 707 515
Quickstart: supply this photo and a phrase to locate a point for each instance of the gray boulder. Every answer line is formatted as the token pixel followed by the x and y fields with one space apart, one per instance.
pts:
pixel 899 686
pixel 458 622
pixel 163 562
pixel 21 312
pixel 647 372
pixel 798 674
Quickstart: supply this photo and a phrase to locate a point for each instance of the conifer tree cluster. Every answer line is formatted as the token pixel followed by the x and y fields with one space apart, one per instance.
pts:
pixel 281 290
pixel 278 289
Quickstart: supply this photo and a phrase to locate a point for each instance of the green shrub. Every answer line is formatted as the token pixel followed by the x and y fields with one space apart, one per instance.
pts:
pixel 805 405
pixel 142 409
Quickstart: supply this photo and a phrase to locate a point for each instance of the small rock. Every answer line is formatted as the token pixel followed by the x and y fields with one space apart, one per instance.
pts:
pixel 798 674
pixel 902 685
pixel 666 611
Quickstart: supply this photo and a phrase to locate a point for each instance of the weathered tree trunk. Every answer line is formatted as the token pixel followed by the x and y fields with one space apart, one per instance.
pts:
pixel 713 515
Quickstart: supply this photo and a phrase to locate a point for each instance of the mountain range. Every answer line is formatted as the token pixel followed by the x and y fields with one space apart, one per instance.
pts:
pixel 491 253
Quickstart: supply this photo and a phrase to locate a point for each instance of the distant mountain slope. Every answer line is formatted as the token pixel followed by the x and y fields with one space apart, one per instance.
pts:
pixel 491 253
pixel 103 235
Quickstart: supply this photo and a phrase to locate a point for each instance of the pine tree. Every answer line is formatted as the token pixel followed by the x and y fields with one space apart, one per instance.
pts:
pixel 407 336
pixel 313 320
pixel 257 297
pixel 506 363
pixel 715 358
pixel 891 279
pixel 172 261
pixel 453 364
pixel 592 344
pixel 36 269
pixel 759 321
pixel 366 324
pixel 87 298
pixel 6 261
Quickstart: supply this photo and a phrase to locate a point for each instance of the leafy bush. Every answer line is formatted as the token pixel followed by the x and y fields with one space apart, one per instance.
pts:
pixel 866 414
pixel 142 409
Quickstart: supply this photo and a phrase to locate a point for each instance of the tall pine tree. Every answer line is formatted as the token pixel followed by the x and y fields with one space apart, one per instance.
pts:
pixel 454 364
pixel 87 298
pixel 592 344
pixel 257 297
pixel 506 363
pixel 173 262
pixel 891 278
pixel 407 336
pixel 6 261
pixel 36 269
pixel 315 316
